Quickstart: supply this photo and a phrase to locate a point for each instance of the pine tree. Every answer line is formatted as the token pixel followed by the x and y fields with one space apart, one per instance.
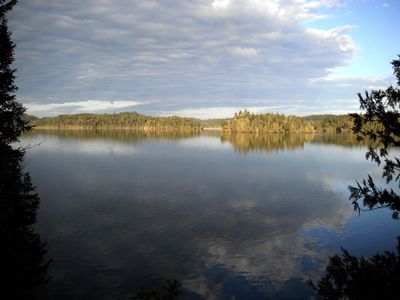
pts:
pixel 12 122
pixel 381 124
pixel 378 277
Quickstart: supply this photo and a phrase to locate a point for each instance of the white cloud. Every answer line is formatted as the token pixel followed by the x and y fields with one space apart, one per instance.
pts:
pixel 221 4
pixel 183 53
pixel 337 36
pixel 37 108
pixel 248 52
pixel 211 112
pixel 296 108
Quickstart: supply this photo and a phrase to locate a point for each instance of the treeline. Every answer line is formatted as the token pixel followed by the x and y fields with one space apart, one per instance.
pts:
pixel 126 120
pixel 245 121
pixel 214 123
pixel 330 123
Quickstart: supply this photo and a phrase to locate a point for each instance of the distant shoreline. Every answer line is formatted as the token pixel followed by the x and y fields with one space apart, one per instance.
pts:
pixel 241 122
pixel 115 128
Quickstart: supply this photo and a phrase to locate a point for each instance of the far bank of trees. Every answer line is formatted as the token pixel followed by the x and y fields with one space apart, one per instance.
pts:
pixel 245 121
pixel 126 120
pixel 242 122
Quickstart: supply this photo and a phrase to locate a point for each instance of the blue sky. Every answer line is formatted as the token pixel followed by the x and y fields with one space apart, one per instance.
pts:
pixel 202 58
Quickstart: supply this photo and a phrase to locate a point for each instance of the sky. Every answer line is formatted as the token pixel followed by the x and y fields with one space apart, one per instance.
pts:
pixel 202 58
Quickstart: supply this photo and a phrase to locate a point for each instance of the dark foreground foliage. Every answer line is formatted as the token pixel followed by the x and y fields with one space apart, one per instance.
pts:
pixel 23 265
pixel 171 290
pixel 381 124
pixel 12 122
pixel 22 252
pixel 347 276
pixel 351 277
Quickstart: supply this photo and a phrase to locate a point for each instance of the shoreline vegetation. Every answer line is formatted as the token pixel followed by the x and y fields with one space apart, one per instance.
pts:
pixel 125 120
pixel 245 121
pixel 242 122
pixel 241 142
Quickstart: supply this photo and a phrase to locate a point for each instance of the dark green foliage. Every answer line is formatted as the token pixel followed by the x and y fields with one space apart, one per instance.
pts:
pixel 350 277
pixel 122 120
pixel 171 290
pixel 245 121
pixel 380 124
pixel 330 123
pixel 22 253
pixel 30 120
pixel 12 123
pixel 374 197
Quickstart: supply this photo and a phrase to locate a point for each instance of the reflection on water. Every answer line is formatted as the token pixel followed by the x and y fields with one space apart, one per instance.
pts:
pixel 245 142
pixel 130 136
pixel 192 208
pixel 22 252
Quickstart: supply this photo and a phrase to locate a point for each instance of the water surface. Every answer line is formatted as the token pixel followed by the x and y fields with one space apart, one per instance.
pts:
pixel 231 217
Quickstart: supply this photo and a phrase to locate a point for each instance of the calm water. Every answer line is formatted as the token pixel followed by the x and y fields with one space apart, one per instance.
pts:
pixel 231 217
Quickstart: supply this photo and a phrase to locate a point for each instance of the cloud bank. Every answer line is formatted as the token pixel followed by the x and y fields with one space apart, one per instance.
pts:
pixel 196 56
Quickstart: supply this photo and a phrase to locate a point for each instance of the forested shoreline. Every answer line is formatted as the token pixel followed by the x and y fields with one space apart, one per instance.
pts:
pixel 242 122
pixel 245 121
pixel 125 120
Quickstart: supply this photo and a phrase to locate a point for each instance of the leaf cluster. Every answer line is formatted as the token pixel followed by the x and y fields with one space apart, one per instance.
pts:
pixel 381 125
pixel 171 290
pixel 347 276
pixel 350 277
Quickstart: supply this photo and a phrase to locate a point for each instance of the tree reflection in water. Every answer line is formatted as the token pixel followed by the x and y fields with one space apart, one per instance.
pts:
pixel 23 262
pixel 250 142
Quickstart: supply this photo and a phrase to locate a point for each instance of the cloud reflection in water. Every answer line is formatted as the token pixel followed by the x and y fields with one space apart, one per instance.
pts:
pixel 224 223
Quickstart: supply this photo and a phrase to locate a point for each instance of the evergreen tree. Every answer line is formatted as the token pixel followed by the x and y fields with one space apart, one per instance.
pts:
pixel 12 122
pixel 378 277
pixel 381 124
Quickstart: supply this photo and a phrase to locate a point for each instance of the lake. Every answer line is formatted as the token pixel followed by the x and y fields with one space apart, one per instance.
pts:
pixel 230 217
